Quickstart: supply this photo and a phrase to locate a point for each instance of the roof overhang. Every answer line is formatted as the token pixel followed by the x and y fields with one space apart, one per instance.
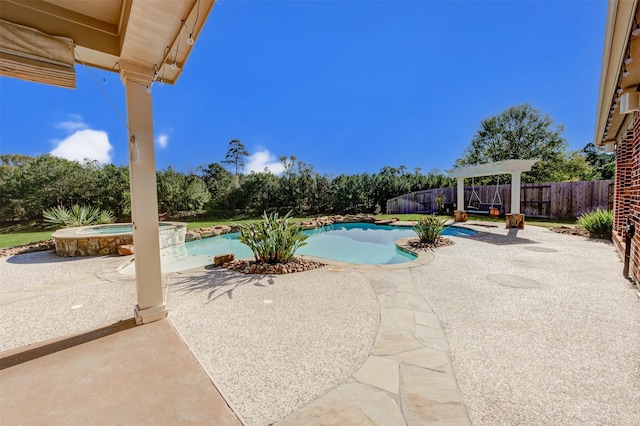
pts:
pixel 497 168
pixel 152 36
pixel 618 43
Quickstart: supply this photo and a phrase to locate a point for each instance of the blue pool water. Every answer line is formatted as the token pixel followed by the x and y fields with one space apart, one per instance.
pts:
pixel 110 229
pixel 360 243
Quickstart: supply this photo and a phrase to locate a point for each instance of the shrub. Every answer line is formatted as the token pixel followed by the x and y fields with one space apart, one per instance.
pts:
pixel 429 228
pixel 274 239
pixel 77 216
pixel 598 223
pixel 440 203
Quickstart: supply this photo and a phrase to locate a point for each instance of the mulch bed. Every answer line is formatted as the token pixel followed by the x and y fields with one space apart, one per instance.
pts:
pixel 416 244
pixel 571 230
pixel 296 264
pixel 28 248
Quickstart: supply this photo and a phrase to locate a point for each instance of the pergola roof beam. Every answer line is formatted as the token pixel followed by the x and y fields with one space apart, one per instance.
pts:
pixel 497 168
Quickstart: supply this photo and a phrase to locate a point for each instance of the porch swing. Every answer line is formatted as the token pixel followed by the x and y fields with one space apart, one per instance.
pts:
pixel 476 206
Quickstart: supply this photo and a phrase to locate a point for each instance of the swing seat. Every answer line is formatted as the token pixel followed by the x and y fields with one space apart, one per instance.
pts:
pixel 492 210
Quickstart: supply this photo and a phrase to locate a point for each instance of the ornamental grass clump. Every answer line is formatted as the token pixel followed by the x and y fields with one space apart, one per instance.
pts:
pixel 598 223
pixel 77 216
pixel 429 228
pixel 273 239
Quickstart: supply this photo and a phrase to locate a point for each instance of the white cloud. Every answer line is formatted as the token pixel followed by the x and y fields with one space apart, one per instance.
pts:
pixel 87 143
pixel 74 124
pixel 162 140
pixel 261 159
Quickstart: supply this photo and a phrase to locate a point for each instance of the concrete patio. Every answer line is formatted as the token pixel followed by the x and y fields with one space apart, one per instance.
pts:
pixel 507 327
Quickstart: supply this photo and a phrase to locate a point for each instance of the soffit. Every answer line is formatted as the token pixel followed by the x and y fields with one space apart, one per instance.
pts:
pixel 622 16
pixel 109 33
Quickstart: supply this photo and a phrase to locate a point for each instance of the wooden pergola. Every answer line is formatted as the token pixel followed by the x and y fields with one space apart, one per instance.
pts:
pixel 513 167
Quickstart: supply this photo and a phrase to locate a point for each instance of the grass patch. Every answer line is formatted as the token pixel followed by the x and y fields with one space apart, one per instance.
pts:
pixel 546 223
pixel 18 239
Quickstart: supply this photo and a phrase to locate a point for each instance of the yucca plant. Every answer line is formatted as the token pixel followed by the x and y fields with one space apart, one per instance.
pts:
pixel 429 228
pixel 273 239
pixel 598 223
pixel 77 216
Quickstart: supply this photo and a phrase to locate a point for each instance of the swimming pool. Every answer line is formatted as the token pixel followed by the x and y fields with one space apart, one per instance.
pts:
pixel 359 243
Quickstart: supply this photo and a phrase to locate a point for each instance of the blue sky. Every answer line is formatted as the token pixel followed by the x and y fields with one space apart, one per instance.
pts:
pixel 347 86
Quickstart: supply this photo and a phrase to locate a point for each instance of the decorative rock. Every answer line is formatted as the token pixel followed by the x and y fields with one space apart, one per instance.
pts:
pixel 253 267
pixel 125 249
pixel 28 248
pixel 206 233
pixel 192 235
pixel 223 258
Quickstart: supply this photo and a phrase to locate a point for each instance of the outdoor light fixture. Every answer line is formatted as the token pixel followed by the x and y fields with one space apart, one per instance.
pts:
pixel 636 30
pixel 625 72
pixel 190 40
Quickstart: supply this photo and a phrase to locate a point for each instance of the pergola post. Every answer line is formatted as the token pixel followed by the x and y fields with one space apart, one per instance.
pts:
pixel 515 219
pixel 460 215
pixel 515 192
pixel 144 200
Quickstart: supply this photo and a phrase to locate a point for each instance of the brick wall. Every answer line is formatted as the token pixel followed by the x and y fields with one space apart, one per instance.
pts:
pixel 627 194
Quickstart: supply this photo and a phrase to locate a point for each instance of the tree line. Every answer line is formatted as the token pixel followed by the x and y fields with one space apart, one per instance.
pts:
pixel 29 185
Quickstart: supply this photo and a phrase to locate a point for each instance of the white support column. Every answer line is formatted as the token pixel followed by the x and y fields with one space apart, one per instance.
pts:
pixel 144 202
pixel 460 215
pixel 515 192
pixel 460 189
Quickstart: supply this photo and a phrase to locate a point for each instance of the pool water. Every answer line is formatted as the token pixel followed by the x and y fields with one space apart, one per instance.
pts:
pixel 111 229
pixel 360 243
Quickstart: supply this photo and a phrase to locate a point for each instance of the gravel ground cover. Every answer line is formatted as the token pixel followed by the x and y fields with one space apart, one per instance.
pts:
pixel 563 351
pixel 44 296
pixel 273 343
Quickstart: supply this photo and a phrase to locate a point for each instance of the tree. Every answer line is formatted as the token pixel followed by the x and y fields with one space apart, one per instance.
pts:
pixel 28 185
pixel 521 132
pixel 219 182
pixel 235 155
pixel 603 163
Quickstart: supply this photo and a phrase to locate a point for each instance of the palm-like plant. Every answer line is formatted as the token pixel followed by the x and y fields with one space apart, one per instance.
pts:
pixel 273 239
pixel 77 216
pixel 429 228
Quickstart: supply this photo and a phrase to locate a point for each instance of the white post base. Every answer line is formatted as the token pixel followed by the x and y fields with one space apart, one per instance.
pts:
pixel 154 313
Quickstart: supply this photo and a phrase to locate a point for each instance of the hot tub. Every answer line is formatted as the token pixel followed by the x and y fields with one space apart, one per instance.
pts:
pixel 96 240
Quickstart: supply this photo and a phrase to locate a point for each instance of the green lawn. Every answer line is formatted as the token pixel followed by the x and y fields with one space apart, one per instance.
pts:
pixel 534 222
pixel 20 238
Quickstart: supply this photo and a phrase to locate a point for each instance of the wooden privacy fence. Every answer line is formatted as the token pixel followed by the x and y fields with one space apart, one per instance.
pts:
pixel 553 200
